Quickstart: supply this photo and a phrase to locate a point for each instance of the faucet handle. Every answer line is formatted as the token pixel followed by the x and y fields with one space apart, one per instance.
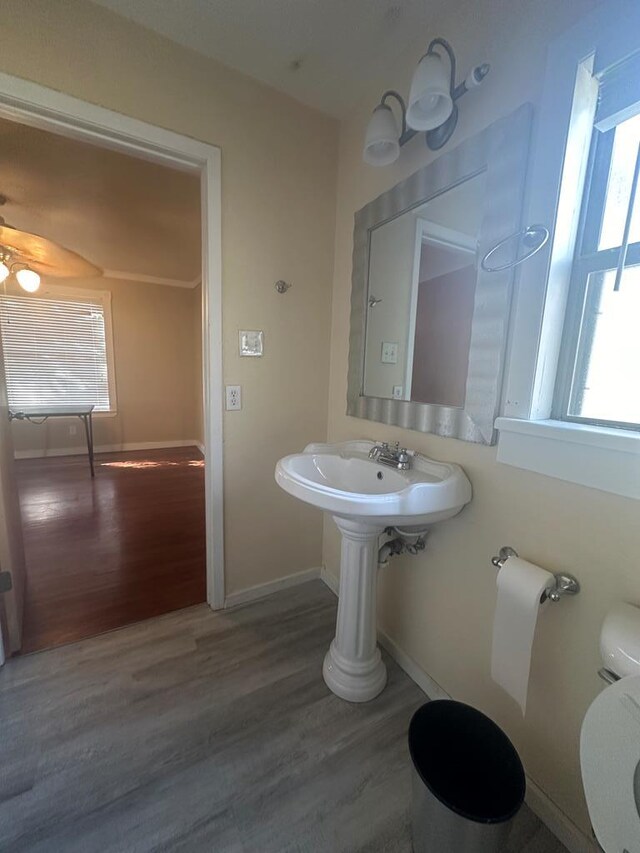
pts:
pixel 403 454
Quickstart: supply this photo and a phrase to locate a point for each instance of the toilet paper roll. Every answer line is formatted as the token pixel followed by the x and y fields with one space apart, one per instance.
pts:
pixel 520 587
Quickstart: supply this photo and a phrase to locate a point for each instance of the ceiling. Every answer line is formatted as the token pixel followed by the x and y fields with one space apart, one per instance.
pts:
pixel 121 213
pixel 324 53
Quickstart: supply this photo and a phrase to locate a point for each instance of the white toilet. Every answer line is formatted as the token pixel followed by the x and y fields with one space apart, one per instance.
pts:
pixel 610 737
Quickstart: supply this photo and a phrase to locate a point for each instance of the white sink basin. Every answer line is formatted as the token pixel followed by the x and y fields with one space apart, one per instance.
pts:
pixel 364 498
pixel 342 480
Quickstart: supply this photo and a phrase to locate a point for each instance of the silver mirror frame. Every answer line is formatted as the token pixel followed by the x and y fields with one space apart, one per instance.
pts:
pixel 502 151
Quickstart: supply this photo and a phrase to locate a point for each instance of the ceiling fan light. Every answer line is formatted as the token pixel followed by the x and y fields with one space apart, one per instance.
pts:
pixel 381 145
pixel 28 280
pixel 4 271
pixel 430 102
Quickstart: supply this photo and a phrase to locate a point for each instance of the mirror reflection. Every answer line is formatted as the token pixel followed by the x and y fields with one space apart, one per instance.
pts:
pixel 422 280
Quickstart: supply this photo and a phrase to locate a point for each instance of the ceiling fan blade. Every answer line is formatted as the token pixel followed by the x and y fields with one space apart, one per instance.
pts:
pixel 44 256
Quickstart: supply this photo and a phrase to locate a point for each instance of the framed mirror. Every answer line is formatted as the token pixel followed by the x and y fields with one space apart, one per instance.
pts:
pixel 428 324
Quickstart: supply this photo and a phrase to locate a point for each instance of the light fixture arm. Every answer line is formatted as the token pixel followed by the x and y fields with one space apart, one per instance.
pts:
pixel 452 62
pixel 477 74
pixel 406 133
pixel 439 136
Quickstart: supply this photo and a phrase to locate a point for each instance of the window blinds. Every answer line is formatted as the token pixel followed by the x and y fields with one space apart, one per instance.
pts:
pixel 54 352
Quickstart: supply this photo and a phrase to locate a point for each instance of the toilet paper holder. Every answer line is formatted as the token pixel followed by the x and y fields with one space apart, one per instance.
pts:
pixel 564 584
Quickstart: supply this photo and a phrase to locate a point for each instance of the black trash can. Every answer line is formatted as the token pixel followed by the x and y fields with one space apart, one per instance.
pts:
pixel 468 780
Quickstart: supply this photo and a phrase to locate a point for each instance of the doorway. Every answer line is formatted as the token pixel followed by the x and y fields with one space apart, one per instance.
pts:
pixel 37 107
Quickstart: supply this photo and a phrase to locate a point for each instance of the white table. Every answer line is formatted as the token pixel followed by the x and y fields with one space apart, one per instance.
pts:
pixel 39 414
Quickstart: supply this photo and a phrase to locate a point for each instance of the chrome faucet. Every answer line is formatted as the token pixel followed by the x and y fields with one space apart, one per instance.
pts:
pixel 392 455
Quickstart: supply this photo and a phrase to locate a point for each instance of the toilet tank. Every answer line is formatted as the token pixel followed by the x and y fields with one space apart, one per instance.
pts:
pixel 620 640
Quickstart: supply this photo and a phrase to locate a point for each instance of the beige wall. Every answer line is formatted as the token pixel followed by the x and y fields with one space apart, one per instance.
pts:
pixel 158 382
pixel 278 209
pixel 439 606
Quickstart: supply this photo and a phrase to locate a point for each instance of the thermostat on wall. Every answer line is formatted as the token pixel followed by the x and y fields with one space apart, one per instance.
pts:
pixel 251 343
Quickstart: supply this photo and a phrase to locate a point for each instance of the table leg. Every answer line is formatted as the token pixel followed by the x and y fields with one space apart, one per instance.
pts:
pixel 88 428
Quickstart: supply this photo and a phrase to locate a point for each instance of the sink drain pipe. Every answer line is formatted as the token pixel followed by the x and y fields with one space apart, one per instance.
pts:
pixel 401 542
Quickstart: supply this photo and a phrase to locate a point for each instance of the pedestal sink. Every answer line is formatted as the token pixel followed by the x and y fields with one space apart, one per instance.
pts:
pixel 364 497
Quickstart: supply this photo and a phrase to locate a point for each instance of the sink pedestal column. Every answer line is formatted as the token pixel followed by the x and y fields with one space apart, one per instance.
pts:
pixel 353 668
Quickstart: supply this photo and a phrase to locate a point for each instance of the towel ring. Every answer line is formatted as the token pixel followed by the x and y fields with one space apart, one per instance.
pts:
pixel 539 234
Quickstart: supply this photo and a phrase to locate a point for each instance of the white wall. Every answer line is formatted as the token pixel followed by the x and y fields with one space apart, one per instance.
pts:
pixel 439 606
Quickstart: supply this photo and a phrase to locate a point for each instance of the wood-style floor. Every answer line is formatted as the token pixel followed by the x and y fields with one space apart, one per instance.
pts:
pixel 105 552
pixel 208 732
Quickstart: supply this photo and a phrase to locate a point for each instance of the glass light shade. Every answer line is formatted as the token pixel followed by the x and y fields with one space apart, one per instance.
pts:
pixel 381 146
pixel 4 272
pixel 430 103
pixel 28 280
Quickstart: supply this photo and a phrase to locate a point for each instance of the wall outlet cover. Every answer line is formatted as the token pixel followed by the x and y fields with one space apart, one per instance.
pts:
pixel 397 392
pixel 251 342
pixel 389 352
pixel 233 398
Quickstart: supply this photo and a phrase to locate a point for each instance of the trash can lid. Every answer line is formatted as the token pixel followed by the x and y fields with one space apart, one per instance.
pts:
pixel 466 761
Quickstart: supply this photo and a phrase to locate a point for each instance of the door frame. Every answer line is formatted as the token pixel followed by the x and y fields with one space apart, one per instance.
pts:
pixel 37 106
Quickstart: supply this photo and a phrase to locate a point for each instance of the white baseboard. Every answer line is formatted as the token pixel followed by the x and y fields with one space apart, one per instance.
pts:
pixel 558 822
pixel 200 446
pixel 262 590
pixel 538 801
pixel 330 580
pixel 81 450
pixel 427 684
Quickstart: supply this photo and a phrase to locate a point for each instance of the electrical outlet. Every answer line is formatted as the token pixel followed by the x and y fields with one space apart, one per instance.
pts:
pixel 397 392
pixel 233 397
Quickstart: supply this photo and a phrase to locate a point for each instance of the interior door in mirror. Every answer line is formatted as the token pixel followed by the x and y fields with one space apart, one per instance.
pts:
pixel 422 276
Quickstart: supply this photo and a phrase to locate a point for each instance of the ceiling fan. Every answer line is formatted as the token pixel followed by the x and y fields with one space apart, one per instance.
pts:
pixel 28 256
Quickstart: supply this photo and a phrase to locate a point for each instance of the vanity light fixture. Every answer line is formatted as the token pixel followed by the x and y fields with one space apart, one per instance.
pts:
pixel 4 272
pixel 432 107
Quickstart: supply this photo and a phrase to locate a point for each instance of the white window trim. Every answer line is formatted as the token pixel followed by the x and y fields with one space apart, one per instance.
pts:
pixel 598 457
pixel 529 439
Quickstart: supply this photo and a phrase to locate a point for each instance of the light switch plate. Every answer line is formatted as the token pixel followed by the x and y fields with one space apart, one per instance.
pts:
pixel 233 398
pixel 389 352
pixel 251 342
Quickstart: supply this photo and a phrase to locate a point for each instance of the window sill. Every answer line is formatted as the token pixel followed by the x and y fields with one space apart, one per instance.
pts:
pixel 598 457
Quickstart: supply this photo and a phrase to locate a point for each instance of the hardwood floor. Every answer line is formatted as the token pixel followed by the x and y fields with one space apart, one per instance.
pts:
pixel 209 732
pixel 105 552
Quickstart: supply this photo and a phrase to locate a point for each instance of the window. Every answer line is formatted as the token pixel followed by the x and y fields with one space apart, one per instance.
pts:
pixel 599 375
pixel 571 395
pixel 57 349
